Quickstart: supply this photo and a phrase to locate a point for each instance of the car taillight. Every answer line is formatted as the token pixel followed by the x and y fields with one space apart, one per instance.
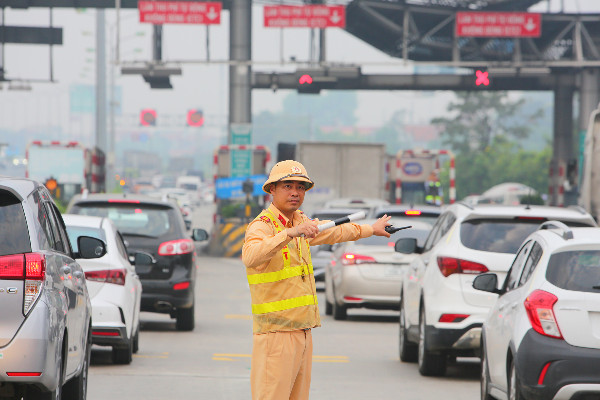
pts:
pixel 11 267
pixel 175 247
pixel 541 315
pixel 353 259
pixel 30 267
pixel 412 212
pixel 115 276
pixel 181 286
pixel 453 317
pixel 451 265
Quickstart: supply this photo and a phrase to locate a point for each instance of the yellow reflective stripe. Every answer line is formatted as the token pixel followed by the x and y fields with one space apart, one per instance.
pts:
pixel 284 304
pixel 280 275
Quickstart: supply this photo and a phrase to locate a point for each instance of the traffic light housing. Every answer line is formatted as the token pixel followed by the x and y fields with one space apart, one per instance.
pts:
pixel 195 118
pixel 148 117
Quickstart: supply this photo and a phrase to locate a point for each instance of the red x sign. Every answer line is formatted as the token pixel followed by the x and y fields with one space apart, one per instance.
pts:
pixel 482 78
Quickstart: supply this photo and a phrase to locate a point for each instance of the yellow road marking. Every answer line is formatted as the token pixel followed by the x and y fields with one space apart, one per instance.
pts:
pixel 148 356
pixel 236 357
pixel 238 316
pixel 231 355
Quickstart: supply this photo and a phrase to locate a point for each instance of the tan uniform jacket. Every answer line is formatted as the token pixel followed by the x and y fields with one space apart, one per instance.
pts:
pixel 283 292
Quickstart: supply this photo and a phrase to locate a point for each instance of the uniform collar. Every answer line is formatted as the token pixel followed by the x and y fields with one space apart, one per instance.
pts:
pixel 279 215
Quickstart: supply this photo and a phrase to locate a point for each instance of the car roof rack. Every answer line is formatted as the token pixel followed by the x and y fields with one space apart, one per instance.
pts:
pixel 565 232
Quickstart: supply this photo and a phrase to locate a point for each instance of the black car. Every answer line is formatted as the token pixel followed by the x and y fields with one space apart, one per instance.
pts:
pixel 153 226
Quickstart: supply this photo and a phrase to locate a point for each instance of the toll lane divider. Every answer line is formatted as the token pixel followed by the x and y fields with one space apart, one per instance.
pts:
pixel 227 240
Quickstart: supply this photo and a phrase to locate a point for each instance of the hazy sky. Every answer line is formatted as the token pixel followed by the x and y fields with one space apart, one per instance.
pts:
pixel 201 86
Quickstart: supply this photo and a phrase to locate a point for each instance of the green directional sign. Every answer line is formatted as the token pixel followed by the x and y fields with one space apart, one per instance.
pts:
pixel 241 160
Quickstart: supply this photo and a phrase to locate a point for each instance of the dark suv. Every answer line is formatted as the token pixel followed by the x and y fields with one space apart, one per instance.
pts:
pixel 45 311
pixel 154 226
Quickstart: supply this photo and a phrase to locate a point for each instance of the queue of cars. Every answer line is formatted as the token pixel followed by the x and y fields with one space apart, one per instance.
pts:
pixel 68 282
pixel 517 286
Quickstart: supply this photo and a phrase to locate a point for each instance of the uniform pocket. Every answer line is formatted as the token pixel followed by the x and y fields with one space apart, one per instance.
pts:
pixel 275 344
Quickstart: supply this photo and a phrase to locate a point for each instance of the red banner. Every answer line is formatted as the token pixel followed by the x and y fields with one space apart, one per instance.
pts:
pixel 498 24
pixel 314 16
pixel 180 12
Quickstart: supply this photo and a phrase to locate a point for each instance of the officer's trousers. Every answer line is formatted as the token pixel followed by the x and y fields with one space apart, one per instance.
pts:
pixel 281 365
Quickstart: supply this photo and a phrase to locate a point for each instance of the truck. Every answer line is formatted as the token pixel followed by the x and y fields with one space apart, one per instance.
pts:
pixel 71 166
pixel 342 170
pixel 414 177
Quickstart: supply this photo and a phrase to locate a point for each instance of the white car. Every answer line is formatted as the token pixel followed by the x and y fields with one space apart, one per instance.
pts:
pixel 367 273
pixel 114 287
pixel 541 339
pixel 440 312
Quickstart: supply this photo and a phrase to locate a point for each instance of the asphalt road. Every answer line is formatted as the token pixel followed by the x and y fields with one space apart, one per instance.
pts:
pixel 355 359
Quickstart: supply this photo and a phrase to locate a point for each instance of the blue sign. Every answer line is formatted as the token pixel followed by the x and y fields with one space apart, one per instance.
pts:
pixel 412 168
pixel 231 188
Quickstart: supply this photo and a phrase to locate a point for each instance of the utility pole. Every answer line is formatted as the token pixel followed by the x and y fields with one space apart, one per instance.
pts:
pixel 101 139
pixel 240 74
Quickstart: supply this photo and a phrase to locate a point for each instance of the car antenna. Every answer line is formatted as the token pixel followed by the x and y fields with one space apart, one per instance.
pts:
pixel 527 205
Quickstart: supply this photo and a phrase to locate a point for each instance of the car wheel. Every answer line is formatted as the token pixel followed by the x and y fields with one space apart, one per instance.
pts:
pixel 185 319
pixel 76 388
pixel 123 355
pixel 485 376
pixel 408 351
pixel 136 340
pixel 513 384
pixel 339 311
pixel 328 307
pixel 430 364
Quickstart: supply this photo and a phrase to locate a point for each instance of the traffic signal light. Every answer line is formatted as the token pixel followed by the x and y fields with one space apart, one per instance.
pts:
pixel 306 84
pixel 482 78
pixel 148 117
pixel 195 118
pixel 52 186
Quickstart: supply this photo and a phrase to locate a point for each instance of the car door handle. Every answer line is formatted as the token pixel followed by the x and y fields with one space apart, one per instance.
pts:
pixel 66 270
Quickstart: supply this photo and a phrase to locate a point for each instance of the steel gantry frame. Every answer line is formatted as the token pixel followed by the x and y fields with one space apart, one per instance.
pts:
pixel 427 34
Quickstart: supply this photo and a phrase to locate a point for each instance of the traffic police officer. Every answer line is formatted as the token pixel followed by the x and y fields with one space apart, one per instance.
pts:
pixel 276 254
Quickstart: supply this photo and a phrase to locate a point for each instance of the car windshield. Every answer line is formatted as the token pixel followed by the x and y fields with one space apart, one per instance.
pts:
pixel 428 217
pixel 131 218
pixel 75 231
pixel 575 270
pixel 14 236
pixel 419 234
pixel 500 235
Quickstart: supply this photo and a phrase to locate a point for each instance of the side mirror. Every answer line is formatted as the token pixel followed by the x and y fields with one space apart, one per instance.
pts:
pixel 486 283
pixel 90 247
pixel 141 258
pixel 199 235
pixel 406 245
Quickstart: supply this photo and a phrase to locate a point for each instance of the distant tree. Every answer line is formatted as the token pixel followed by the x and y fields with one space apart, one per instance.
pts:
pixel 480 117
pixel 502 161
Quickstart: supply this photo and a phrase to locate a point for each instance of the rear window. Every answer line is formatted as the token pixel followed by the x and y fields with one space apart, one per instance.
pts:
pixel 419 234
pixel 132 218
pixel 500 235
pixel 14 235
pixel 75 231
pixel 428 217
pixel 575 270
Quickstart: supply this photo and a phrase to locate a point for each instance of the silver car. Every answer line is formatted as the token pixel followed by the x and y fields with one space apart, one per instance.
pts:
pixel 368 273
pixel 45 317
